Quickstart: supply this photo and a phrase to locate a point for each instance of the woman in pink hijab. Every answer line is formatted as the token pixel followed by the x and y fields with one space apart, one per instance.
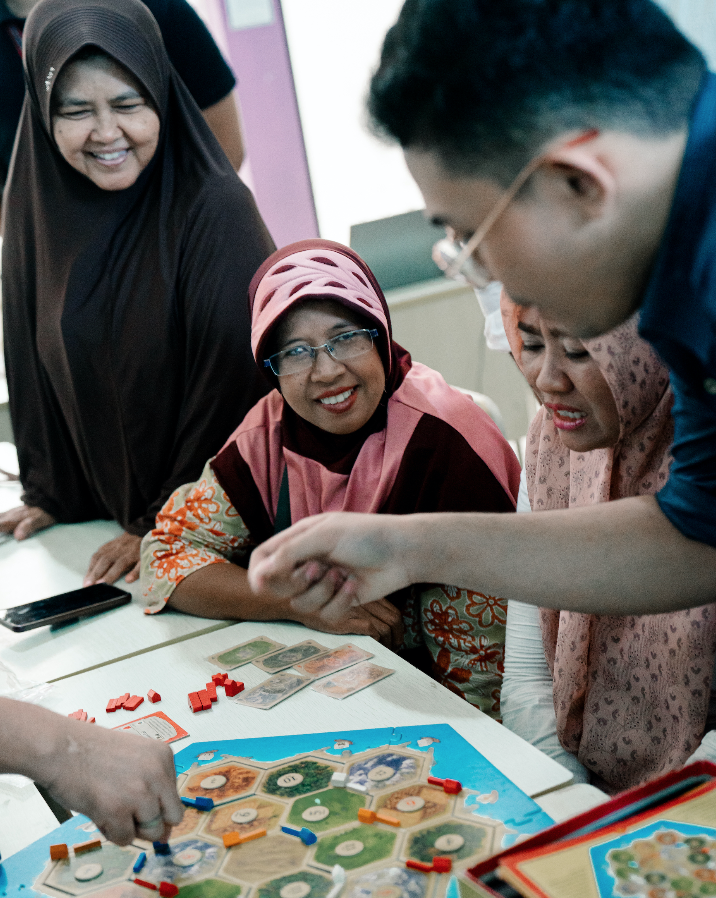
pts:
pixel 628 697
pixel 352 425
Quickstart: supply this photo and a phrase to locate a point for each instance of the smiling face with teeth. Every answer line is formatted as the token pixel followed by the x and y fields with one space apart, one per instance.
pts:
pixel 569 383
pixel 103 124
pixel 338 397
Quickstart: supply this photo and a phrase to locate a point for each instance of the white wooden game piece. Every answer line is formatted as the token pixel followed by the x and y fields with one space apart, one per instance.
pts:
pixel 381 773
pixel 449 842
pixel 339 880
pixel 296 889
pixel 187 858
pixel 316 813
pixel 339 780
pixel 289 779
pixel 349 848
pixel 244 815
pixel 360 788
pixel 213 782
pixel 411 803
pixel 88 872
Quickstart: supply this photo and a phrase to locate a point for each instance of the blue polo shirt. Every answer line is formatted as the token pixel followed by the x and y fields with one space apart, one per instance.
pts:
pixel 678 318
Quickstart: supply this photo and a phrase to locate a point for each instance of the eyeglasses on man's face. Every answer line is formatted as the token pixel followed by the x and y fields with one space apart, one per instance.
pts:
pixel 458 256
pixel 302 356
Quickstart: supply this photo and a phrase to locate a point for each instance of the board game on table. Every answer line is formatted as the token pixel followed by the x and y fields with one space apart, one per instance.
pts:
pixel 317 784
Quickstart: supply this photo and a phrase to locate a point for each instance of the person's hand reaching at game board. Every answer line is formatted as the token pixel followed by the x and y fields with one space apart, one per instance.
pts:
pixel 125 783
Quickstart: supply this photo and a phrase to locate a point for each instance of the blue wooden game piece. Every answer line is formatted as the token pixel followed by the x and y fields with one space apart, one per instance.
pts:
pixel 140 862
pixel 292 831
pixel 204 804
pixel 307 836
pixel 161 848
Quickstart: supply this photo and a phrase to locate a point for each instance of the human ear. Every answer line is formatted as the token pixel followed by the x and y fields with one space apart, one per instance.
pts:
pixel 585 177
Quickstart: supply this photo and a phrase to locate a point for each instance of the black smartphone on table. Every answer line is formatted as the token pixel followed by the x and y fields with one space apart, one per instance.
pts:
pixel 64 608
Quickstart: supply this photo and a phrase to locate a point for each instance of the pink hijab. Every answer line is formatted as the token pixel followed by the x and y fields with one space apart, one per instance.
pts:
pixel 630 693
pixel 385 466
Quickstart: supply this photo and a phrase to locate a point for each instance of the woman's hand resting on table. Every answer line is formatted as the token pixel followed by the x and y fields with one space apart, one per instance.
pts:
pixel 24 520
pixel 118 556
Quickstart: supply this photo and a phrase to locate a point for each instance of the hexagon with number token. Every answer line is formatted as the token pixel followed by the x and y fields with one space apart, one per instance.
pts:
pixel 221 782
pixel 327 810
pixel 244 817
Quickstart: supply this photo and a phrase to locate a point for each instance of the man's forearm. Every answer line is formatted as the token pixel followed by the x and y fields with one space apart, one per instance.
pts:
pixel 30 739
pixel 621 557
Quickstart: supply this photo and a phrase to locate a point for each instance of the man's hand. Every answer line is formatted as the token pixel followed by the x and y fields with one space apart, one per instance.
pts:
pixel 24 520
pixel 363 556
pixel 125 783
pixel 117 557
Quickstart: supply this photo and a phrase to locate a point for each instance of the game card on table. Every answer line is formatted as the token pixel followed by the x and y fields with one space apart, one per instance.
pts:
pixel 287 657
pixel 352 680
pixel 244 652
pixel 338 659
pixel 273 690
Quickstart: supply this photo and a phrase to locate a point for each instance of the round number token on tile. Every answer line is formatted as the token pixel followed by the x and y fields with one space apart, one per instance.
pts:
pixel 297 889
pixel 349 848
pixel 289 779
pixel 187 858
pixel 213 782
pixel 387 892
pixel 449 842
pixel 245 815
pixel 380 773
pixel 88 872
pixel 411 803
pixel 316 813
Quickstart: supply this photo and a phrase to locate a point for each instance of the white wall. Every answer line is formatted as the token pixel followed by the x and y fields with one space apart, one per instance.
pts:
pixel 334 47
pixel 697 19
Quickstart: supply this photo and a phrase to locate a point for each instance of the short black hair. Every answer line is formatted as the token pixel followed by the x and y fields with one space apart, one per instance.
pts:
pixel 485 83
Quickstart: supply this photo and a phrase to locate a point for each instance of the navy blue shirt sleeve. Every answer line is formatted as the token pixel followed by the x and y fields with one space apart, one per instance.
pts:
pixel 689 497
pixel 192 50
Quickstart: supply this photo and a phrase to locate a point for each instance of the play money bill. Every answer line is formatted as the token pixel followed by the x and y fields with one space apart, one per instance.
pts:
pixel 240 654
pixel 338 659
pixel 273 690
pixel 287 657
pixel 352 680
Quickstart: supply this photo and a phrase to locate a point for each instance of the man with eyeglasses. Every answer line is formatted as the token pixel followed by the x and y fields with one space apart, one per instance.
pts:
pixel 571 147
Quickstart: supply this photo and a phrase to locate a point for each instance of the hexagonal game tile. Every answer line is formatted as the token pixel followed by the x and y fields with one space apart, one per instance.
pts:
pixel 385 770
pixel 91 871
pixel 243 816
pixel 190 859
pixel 210 888
pixel 390 881
pixel 456 839
pixel 299 778
pixel 302 884
pixel 221 782
pixel 190 823
pixel 413 805
pixel 279 853
pixel 355 847
pixel 327 810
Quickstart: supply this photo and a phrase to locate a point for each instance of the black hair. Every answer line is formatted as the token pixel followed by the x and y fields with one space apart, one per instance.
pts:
pixel 485 83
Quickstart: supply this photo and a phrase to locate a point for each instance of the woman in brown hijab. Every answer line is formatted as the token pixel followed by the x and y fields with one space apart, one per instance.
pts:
pixel 129 245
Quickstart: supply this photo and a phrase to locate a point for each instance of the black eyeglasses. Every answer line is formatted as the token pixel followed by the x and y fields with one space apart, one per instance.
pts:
pixel 302 356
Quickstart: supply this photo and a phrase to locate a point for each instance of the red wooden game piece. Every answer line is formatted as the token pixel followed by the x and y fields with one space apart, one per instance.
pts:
pixel 133 703
pixel 211 689
pixel 204 699
pixel 168 889
pixel 195 702
pixel 111 705
pixel 218 679
pixel 418 865
pixel 233 687
pixel 153 696
pixel 442 864
pixel 119 702
pixel 452 787
pixel 145 884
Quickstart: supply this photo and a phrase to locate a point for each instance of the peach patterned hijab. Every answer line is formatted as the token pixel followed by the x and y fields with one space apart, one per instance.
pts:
pixel 630 693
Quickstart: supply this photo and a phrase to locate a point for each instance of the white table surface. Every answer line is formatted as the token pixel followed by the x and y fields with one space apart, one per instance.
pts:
pixel 55 561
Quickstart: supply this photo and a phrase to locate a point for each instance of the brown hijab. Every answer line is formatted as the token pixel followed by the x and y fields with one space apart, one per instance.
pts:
pixel 127 337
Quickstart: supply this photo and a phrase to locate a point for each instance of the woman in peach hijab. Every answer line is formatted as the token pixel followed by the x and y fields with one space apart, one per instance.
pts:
pixel 630 695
